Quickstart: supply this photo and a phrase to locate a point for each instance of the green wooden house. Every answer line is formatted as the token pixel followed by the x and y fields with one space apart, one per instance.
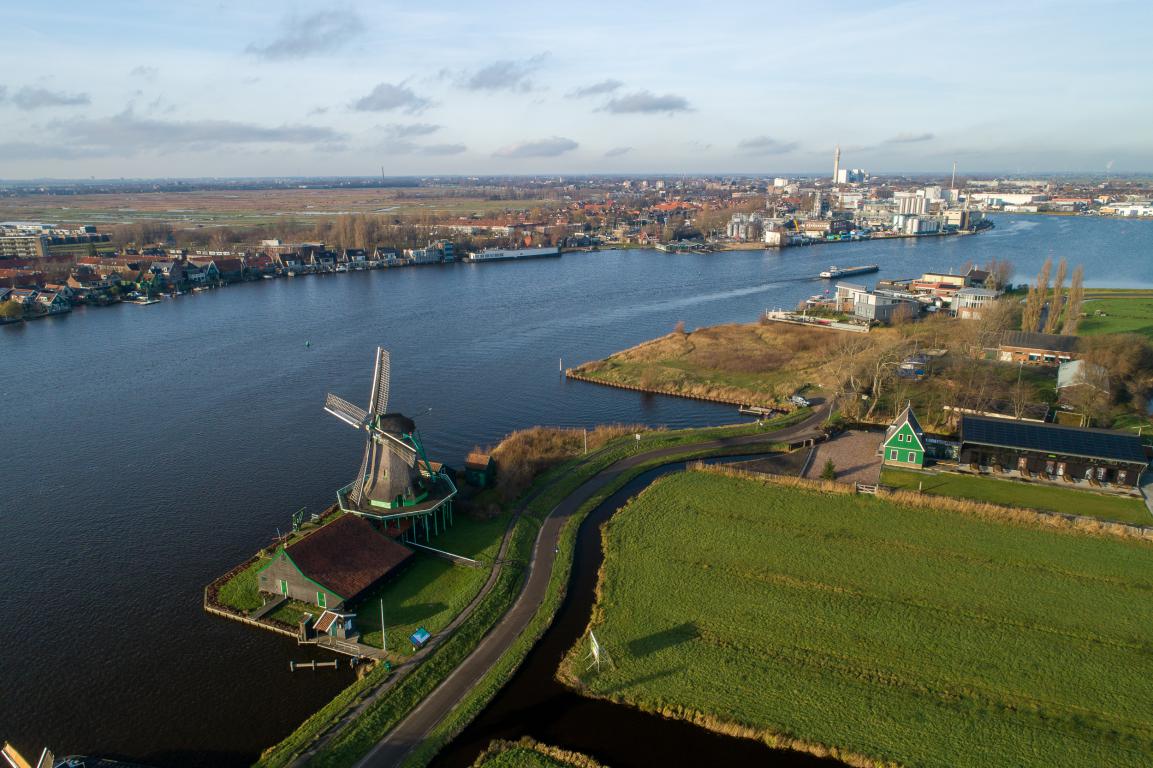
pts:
pixel 904 444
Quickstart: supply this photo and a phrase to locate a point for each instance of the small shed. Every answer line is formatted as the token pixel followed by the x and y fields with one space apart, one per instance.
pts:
pixel 337 624
pixel 904 444
pixel 479 469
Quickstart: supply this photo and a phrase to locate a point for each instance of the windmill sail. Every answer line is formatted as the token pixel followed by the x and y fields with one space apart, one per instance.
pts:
pixel 345 411
pixel 378 402
pixel 357 493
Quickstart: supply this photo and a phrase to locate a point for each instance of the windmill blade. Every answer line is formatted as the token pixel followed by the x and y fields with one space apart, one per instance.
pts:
pixel 378 402
pixel 357 492
pixel 345 411
pixel 402 449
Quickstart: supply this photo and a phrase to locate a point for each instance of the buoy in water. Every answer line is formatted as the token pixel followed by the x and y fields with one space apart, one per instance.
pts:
pixel 308 343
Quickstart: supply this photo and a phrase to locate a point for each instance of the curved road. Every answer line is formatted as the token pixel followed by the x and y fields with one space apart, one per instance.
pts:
pixel 395 745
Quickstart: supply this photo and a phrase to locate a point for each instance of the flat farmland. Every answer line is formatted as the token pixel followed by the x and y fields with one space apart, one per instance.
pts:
pixel 885 632
pixel 248 207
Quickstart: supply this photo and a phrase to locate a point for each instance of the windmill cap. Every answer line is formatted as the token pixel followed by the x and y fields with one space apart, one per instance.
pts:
pixel 397 423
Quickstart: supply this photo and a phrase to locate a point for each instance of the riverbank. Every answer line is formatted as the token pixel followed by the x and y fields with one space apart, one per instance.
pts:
pixel 737 364
pixel 832 619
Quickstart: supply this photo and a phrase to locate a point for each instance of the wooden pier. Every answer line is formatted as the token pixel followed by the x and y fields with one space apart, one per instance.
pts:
pixel 313 665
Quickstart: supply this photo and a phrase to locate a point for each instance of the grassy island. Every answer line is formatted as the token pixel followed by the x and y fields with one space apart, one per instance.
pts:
pixel 883 631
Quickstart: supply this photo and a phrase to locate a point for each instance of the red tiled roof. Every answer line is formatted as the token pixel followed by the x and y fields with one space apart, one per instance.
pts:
pixel 347 556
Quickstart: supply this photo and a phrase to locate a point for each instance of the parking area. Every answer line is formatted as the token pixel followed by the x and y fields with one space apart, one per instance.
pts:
pixel 855 456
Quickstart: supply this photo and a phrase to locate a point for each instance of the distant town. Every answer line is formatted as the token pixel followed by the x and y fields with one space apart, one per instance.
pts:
pixel 163 239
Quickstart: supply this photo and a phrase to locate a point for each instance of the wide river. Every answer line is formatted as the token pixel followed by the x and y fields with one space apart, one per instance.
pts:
pixel 146 450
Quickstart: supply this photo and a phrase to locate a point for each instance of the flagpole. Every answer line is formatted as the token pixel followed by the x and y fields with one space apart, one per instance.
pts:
pixel 383 634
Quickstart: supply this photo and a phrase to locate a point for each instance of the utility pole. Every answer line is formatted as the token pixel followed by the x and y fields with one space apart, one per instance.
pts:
pixel 384 635
pixel 586 440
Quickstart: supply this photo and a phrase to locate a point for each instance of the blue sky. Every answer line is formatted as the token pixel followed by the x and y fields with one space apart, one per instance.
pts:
pixel 148 89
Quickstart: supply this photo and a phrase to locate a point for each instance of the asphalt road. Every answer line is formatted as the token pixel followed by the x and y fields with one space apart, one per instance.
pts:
pixel 392 748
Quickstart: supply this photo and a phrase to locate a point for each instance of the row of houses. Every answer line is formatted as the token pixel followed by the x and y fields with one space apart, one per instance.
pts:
pixel 964 296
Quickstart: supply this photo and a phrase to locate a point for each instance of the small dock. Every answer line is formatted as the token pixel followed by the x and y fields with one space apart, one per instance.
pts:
pixel 313 665
pixel 759 411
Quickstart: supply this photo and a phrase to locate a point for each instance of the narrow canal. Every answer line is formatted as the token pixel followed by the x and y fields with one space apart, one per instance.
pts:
pixel 534 704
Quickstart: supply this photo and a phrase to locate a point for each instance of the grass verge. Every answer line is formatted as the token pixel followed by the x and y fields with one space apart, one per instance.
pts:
pixel 1066 501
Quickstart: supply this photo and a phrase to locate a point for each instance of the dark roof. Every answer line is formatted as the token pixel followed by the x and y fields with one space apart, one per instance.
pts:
pixel 1053 438
pixel 1043 341
pixel 347 556
pixel 906 416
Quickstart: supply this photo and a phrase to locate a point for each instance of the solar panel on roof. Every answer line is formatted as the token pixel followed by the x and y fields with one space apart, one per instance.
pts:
pixel 1052 438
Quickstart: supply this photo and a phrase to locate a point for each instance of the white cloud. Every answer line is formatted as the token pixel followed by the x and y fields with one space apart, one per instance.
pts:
pixel 645 102
pixel 553 147
pixel 386 97
pixel 316 33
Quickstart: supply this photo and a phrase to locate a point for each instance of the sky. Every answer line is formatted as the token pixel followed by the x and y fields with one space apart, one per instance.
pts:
pixel 195 89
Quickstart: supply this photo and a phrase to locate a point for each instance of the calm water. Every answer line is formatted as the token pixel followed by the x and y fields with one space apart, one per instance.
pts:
pixel 148 449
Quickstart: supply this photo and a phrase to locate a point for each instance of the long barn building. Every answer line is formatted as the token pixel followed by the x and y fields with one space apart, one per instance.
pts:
pixel 1096 456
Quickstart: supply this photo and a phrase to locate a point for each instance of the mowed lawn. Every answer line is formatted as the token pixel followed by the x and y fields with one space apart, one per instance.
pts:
pixel 1012 493
pixel 1122 314
pixel 903 634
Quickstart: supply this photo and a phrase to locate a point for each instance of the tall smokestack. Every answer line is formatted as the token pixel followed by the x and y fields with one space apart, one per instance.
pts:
pixel 836 163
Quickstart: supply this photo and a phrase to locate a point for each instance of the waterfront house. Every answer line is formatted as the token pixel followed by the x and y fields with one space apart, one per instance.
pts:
pixel 334 565
pixel 202 271
pixel 904 443
pixel 53 302
pixel 1052 451
pixel 260 264
pixel 25 297
pixel 230 269
pixel 1036 348
pixel 968 303
pixel 62 288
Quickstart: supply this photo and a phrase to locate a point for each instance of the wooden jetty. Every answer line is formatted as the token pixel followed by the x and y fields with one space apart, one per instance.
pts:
pixel 314 665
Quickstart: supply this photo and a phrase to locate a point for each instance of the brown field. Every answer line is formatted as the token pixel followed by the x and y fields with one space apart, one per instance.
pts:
pixel 247 207
pixel 764 363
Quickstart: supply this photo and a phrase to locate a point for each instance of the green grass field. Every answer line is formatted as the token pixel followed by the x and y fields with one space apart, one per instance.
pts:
pixel 1131 313
pixel 901 634
pixel 1011 493
pixel 429 593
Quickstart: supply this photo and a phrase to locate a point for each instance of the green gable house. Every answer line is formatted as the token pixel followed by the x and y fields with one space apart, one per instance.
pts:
pixel 904 444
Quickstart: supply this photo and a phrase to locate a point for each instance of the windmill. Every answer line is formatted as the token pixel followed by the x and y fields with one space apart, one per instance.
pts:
pixel 390 472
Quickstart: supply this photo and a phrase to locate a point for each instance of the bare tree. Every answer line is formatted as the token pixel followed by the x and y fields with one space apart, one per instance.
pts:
pixel 1055 298
pixel 1073 303
pixel 1035 299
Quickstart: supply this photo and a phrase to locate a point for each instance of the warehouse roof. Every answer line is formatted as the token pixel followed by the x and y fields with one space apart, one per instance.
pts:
pixel 1053 438
pixel 1043 341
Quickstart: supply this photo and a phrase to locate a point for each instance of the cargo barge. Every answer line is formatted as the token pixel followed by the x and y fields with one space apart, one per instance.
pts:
pixel 834 272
